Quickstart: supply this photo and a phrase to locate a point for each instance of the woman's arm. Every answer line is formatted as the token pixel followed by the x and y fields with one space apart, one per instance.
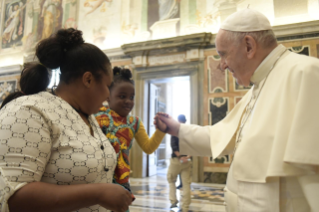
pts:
pixel 39 196
pixel 148 145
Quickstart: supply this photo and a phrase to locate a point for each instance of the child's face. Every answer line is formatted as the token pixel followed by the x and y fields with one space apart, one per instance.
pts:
pixel 121 99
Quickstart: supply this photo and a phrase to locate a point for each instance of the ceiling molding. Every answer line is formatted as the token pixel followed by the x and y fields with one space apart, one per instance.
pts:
pixel 296 31
pixel 168 45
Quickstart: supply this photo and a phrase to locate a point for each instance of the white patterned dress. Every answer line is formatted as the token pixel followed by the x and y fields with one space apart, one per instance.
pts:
pixel 42 138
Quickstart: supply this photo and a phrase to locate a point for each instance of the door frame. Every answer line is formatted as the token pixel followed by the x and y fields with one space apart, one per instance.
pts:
pixel 142 76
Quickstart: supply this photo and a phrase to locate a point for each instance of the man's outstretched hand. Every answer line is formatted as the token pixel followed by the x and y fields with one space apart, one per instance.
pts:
pixel 160 125
pixel 171 126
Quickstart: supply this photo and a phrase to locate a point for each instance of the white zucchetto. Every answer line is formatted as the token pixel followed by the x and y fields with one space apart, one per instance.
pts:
pixel 246 20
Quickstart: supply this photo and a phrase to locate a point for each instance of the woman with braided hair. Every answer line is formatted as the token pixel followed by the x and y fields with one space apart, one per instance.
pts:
pixel 121 128
pixel 53 154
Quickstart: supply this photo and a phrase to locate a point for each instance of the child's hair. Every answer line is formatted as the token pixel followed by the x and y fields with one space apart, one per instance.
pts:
pixel 66 50
pixel 121 75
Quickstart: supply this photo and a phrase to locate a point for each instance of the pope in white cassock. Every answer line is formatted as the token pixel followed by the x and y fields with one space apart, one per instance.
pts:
pixel 273 131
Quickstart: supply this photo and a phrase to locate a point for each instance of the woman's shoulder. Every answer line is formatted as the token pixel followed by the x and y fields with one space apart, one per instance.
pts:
pixel 43 103
pixel 24 107
pixel 29 100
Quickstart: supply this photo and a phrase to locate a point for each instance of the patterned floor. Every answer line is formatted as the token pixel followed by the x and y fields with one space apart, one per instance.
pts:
pixel 152 196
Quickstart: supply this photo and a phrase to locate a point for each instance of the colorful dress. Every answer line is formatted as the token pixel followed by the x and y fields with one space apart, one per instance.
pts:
pixel 121 131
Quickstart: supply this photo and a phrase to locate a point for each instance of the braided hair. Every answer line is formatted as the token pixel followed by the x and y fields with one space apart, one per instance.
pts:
pixel 121 75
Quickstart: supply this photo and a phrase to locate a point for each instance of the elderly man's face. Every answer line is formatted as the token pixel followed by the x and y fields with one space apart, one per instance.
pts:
pixel 233 57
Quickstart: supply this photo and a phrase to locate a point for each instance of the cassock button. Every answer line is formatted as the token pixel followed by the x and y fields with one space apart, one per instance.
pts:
pixel 106 169
pixel 102 147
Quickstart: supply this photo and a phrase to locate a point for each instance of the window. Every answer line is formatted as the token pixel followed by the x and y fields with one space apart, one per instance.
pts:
pixel 55 78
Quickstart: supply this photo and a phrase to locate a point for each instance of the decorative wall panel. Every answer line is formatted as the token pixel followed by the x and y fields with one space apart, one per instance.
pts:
pixel 7 87
pixel 240 87
pixel 218 79
pixel 218 108
pixel 304 50
pixel 9 78
pixel 237 99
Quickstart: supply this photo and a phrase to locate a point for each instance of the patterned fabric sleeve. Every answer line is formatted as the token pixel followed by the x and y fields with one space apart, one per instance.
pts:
pixel 148 145
pixel 25 147
pixel 7 189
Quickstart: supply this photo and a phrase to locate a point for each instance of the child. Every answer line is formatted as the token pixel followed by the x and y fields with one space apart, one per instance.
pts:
pixel 120 128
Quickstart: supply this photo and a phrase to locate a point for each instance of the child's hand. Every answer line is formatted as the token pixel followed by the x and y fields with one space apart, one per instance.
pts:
pixel 160 125
pixel 172 125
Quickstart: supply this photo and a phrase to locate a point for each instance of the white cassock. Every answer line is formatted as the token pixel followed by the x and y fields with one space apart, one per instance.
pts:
pixel 274 131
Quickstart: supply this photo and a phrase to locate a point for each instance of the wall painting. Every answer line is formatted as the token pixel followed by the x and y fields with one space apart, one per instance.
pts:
pixel 13 23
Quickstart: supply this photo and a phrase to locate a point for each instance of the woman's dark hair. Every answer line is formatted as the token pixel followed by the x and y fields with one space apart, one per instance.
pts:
pixel 121 75
pixel 66 50
pixel 34 78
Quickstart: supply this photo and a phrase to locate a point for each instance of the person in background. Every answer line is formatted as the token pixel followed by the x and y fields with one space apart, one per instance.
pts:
pixel 179 165
pixel 121 128
pixel 54 156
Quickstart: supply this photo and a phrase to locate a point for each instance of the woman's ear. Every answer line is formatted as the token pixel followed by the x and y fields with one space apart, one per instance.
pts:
pixel 88 79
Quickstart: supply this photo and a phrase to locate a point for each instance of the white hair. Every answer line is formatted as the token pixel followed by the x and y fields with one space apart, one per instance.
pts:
pixel 265 38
